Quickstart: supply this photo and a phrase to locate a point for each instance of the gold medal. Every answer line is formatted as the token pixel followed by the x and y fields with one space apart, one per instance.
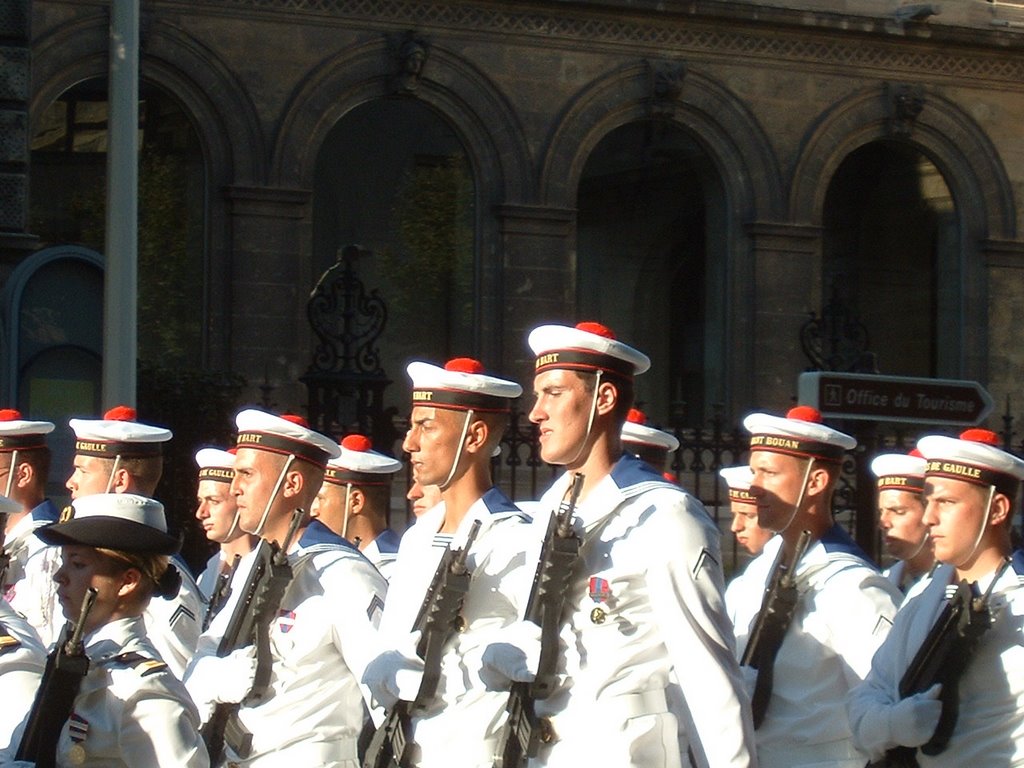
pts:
pixel 597 615
pixel 76 755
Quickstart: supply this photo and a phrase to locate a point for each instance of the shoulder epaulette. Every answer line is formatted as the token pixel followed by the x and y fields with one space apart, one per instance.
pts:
pixel 8 642
pixel 142 664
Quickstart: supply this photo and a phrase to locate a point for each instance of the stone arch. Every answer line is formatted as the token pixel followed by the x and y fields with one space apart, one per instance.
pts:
pixel 952 140
pixel 461 94
pixel 749 182
pixel 970 166
pixel 223 114
pixel 729 132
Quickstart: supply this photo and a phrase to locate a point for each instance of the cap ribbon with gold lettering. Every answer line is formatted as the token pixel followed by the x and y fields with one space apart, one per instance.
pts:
pixel 358 464
pixel 800 433
pixel 974 458
pixel 587 347
pixel 738 480
pixel 216 464
pixel 461 385
pixel 287 434
pixel 118 434
pixel 899 471
pixel 18 434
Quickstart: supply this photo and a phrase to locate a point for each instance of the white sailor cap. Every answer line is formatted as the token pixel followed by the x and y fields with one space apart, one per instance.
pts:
pixel 900 471
pixel 800 433
pixel 973 458
pixel 359 464
pixel 636 431
pixel 286 434
pixel 587 347
pixel 121 521
pixel 18 434
pixel 118 434
pixel 738 479
pixel 216 464
pixel 9 506
pixel 461 385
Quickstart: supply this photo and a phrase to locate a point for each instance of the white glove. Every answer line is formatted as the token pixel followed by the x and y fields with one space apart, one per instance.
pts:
pixel 395 674
pixel 907 723
pixel 912 721
pixel 513 658
pixel 221 679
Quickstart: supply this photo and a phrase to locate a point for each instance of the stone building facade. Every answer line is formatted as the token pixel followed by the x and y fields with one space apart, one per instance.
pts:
pixel 703 175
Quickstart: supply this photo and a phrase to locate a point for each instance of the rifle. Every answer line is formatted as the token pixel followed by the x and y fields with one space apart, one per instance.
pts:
pixel 773 620
pixel 523 731
pixel 437 620
pixel 220 593
pixel 5 556
pixel 249 624
pixel 66 667
pixel 943 658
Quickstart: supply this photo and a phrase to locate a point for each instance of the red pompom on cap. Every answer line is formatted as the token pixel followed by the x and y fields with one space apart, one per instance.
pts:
pixel 9 414
pixel 636 416
pixel 804 413
pixel 984 436
pixel 294 418
pixel 121 413
pixel 359 443
pixel 464 365
pixel 595 328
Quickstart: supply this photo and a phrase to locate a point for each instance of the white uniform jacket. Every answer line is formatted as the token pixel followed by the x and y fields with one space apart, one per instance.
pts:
pixel 324 636
pixel 22 658
pixel 383 552
pixel 462 725
pixel 745 592
pixel 989 731
pixel 207 581
pixel 844 611
pixel 173 625
pixel 29 586
pixel 647 597
pixel 130 710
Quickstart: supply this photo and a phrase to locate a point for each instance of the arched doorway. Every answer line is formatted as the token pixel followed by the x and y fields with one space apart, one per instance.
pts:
pixel 393 177
pixel 650 264
pixel 68 205
pixel 891 245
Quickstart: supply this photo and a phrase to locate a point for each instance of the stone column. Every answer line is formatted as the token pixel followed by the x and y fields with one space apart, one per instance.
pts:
pixel 787 288
pixel 1004 261
pixel 14 152
pixel 268 288
pixel 539 276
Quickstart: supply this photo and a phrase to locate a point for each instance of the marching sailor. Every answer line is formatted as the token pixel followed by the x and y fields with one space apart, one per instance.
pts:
pixel 649 593
pixel 970 490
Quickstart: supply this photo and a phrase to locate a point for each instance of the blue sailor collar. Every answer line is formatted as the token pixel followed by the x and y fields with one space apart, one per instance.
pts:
pixel 1017 562
pixel 45 512
pixel 387 542
pixel 630 472
pixel 837 542
pixel 318 534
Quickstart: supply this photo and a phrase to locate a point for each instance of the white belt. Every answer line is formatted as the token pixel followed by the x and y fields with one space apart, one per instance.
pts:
pixel 319 753
pixel 792 755
pixel 612 710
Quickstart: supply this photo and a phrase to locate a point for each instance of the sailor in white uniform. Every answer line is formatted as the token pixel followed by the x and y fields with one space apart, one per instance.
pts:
pixel 459 414
pixel 22 658
pixel 218 515
pixel 324 633
pixel 970 490
pixel 648 597
pixel 354 499
pixel 844 607
pixel 117 454
pixel 129 710
pixel 24 467
pixel 900 481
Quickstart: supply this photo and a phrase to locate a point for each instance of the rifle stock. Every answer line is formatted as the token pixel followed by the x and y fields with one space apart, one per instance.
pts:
pixel 943 658
pixel 777 610
pixel 66 667
pixel 523 731
pixel 438 617
pixel 249 624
